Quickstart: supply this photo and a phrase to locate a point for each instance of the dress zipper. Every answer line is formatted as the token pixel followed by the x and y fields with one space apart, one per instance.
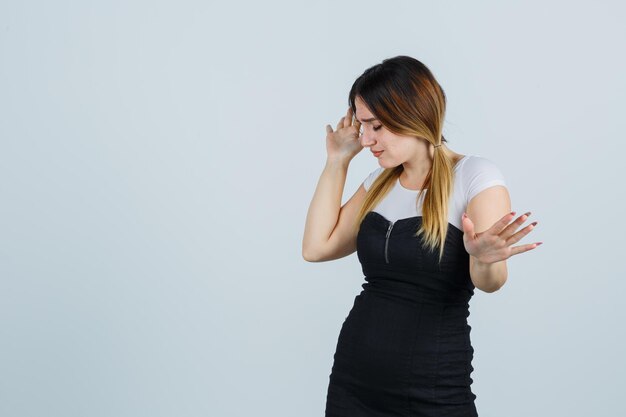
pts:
pixel 387 241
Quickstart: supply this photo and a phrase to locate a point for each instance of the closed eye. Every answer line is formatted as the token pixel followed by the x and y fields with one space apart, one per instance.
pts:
pixel 378 127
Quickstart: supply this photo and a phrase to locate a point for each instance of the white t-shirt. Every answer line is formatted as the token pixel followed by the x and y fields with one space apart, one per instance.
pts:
pixel 472 174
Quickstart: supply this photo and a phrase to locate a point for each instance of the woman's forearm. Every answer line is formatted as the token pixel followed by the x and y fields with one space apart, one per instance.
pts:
pixel 325 206
pixel 488 277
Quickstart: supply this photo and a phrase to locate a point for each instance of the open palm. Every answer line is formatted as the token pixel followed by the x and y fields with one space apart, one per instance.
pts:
pixel 494 244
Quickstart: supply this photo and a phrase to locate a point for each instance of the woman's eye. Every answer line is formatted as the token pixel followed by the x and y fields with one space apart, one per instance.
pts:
pixel 378 127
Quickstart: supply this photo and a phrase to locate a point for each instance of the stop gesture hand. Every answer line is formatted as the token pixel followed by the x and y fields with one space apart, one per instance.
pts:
pixel 494 244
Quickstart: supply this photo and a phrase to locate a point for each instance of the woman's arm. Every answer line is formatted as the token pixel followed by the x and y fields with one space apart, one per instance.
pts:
pixel 329 231
pixel 488 277
pixel 484 210
pixel 324 208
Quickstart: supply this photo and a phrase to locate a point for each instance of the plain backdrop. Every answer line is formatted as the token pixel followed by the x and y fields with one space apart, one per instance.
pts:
pixel 157 161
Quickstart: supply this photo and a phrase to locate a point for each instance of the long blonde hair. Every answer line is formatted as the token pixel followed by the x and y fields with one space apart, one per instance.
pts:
pixel 403 94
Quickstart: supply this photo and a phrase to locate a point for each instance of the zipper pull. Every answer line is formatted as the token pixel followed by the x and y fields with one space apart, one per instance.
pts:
pixel 387 241
pixel 389 229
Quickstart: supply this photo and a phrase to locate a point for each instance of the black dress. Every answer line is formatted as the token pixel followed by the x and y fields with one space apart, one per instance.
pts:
pixel 405 349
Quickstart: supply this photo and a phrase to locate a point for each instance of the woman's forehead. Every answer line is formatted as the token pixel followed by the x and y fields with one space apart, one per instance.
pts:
pixel 361 113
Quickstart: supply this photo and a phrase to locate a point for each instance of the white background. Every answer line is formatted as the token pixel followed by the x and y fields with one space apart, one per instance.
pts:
pixel 157 160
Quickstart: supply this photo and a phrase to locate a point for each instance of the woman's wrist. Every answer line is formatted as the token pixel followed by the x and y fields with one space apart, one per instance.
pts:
pixel 488 277
pixel 338 161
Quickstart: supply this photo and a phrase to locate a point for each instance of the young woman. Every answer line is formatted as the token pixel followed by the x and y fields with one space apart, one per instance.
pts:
pixel 429 226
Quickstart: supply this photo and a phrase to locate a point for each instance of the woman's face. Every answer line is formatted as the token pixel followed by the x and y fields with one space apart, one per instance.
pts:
pixel 395 149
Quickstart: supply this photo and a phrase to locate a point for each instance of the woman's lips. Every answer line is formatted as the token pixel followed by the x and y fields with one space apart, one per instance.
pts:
pixel 377 154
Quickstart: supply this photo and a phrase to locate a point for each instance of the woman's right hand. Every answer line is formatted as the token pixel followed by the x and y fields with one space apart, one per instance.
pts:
pixel 344 142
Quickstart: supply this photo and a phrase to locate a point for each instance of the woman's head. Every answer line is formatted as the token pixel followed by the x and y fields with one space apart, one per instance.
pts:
pixel 390 148
pixel 407 105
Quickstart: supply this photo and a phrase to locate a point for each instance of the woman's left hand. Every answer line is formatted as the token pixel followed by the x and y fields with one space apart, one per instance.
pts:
pixel 494 244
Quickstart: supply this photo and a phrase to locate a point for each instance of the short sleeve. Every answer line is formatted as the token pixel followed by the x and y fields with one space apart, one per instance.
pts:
pixel 480 173
pixel 369 180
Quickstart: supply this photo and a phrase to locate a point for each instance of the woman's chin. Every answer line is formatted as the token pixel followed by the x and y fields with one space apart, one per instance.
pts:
pixel 385 164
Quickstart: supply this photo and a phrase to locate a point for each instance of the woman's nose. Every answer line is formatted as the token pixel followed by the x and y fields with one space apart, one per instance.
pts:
pixel 367 139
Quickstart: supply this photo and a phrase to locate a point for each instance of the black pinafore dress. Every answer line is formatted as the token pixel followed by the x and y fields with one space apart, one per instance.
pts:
pixel 404 349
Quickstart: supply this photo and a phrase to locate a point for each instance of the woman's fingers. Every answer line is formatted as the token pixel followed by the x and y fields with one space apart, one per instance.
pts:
pixel 501 225
pixel 340 124
pixel 347 121
pixel 505 228
pixel 516 237
pixel 356 124
pixel 509 231
pixel 524 248
pixel 519 221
